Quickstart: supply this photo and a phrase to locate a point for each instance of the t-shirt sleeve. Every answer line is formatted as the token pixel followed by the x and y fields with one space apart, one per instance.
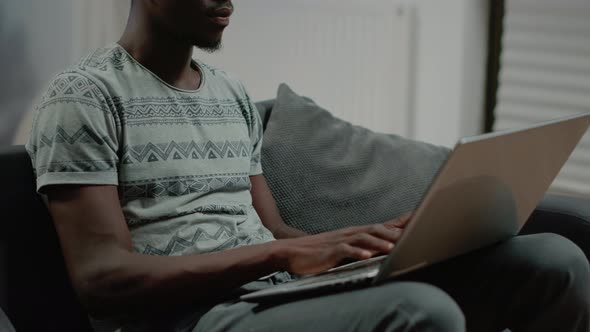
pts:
pixel 256 135
pixel 74 137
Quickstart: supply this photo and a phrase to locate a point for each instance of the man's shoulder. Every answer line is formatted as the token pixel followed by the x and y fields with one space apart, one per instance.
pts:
pixel 87 82
pixel 91 78
pixel 105 60
pixel 99 68
pixel 72 86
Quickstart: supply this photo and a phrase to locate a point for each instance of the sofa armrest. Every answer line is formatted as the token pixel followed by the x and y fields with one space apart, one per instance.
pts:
pixel 5 324
pixel 564 215
pixel 33 277
pixel 573 206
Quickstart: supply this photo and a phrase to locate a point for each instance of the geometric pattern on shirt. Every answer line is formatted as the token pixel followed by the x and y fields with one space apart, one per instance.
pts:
pixel 72 87
pixel 182 187
pixel 177 244
pixel 151 152
pixel 73 166
pixel 103 57
pixel 248 114
pixel 231 210
pixel 211 69
pixel 83 135
pixel 173 111
pixel 256 157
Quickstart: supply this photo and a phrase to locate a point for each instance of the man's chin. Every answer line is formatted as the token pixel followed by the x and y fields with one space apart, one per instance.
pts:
pixel 209 47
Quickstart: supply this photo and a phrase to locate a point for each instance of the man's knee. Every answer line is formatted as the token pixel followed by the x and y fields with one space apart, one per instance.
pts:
pixel 557 255
pixel 561 263
pixel 428 308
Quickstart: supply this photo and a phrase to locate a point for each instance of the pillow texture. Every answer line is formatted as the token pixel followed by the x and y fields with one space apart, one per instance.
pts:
pixel 326 173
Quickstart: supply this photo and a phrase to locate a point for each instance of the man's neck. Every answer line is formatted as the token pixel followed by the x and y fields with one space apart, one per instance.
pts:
pixel 165 56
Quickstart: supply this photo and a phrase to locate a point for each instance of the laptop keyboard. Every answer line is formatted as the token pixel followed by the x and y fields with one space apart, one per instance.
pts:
pixel 344 276
pixel 347 276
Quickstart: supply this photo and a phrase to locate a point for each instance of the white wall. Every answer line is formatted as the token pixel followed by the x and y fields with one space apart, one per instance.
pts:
pixel 354 60
pixel 447 76
pixel 46 28
pixel 97 23
pixel 450 69
pixel 35 41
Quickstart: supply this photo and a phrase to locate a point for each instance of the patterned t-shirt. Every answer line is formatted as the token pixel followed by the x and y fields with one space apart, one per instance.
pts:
pixel 181 159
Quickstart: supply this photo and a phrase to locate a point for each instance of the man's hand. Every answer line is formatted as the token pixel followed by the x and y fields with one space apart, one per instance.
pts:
pixel 317 253
pixel 399 222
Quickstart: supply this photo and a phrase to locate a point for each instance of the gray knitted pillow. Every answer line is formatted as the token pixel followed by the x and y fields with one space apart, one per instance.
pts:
pixel 327 174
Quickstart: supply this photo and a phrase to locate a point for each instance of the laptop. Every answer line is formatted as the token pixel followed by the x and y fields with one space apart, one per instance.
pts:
pixel 483 194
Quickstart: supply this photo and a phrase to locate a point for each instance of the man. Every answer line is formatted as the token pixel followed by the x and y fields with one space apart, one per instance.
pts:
pixel 150 162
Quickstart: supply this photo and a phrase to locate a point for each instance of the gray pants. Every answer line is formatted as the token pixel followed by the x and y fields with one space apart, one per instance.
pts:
pixel 529 283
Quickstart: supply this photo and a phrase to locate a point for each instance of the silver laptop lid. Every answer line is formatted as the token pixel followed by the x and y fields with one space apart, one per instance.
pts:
pixel 485 192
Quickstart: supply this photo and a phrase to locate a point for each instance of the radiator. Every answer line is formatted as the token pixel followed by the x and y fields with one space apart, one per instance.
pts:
pixel 352 57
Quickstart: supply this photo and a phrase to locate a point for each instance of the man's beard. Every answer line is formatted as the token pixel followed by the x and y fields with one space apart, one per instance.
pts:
pixel 211 47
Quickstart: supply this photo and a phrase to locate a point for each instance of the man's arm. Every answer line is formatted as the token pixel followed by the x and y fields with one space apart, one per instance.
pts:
pixel 112 280
pixel 265 205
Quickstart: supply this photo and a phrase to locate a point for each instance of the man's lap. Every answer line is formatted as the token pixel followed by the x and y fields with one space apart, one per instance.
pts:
pixel 507 283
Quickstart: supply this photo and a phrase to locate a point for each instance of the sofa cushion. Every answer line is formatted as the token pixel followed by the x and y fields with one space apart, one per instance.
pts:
pixel 326 173
pixel 568 216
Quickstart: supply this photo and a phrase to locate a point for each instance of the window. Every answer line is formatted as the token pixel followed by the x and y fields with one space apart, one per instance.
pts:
pixel 545 74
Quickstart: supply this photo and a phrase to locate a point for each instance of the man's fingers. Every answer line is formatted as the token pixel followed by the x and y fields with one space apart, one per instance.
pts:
pixel 405 219
pixel 400 222
pixel 385 233
pixel 371 242
pixel 345 250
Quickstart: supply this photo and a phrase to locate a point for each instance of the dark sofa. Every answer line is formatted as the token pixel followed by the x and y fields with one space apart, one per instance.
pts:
pixel 34 288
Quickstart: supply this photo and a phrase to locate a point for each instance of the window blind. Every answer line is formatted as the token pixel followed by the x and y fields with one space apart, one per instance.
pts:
pixel 545 74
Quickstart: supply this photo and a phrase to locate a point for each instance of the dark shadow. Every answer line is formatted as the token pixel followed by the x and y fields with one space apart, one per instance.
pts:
pixel 495 33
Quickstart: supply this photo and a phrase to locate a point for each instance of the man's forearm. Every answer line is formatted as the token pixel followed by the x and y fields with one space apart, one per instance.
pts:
pixel 134 283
